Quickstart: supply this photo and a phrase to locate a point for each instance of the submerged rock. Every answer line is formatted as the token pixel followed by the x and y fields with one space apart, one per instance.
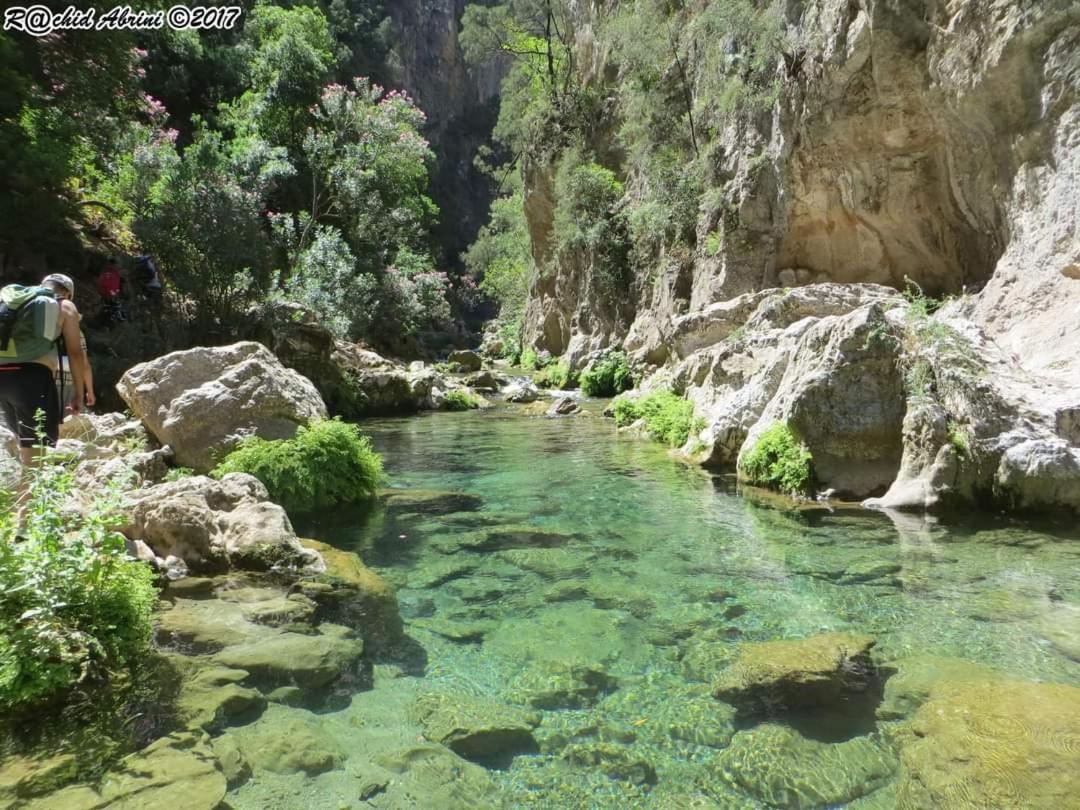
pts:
pixel 781 768
pixel 432 776
pixel 175 771
pixel 288 741
pixel 772 675
pixel 613 760
pixel 305 660
pixel 474 727
pixel 992 744
pixel 202 401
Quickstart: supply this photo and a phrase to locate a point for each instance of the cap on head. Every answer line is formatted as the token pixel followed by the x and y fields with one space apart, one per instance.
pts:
pixel 60 280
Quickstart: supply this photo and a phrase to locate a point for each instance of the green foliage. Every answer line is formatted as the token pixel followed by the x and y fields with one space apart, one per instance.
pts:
pixel 459 400
pixel 73 606
pixel 556 375
pixel 326 464
pixel 530 361
pixel 500 260
pixel 608 377
pixel 779 460
pixel 668 417
pixel 178 473
pixel 959 439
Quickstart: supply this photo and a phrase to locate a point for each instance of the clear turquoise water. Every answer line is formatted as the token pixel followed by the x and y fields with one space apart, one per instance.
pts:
pixel 615 559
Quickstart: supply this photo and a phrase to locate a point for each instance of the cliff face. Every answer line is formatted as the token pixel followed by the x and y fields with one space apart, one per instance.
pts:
pixel 922 140
pixel 461 105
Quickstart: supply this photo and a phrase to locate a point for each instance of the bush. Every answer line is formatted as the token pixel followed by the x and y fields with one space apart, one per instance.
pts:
pixel 557 375
pixel 779 460
pixel 327 464
pixel 668 418
pixel 529 359
pixel 73 606
pixel 459 400
pixel 607 378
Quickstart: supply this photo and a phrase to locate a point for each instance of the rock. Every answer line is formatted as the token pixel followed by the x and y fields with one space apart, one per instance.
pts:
pixel 916 677
pixel 554 685
pixel 112 433
pixel 780 768
pixel 465 360
pixel 817 671
pixel 234 766
pixel 308 661
pixel 360 598
pixel 285 741
pixel 613 760
pixel 175 771
pixel 701 720
pixel 216 525
pixel 482 381
pixel 431 776
pixel 209 696
pixel 202 401
pixel 992 744
pixel 521 392
pixel 470 631
pixel 10 465
pixel 564 406
pixel 475 728
pixel 25 777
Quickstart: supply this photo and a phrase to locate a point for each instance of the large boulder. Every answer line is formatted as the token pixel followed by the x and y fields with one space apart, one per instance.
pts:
pixel 215 525
pixel 203 401
pixel 465 360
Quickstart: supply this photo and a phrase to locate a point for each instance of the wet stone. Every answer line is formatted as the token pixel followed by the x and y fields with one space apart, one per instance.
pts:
pixel 613 760
pixel 475 728
pixel 441 571
pixel 463 631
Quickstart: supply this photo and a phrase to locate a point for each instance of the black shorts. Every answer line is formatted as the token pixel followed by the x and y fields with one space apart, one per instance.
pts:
pixel 26 388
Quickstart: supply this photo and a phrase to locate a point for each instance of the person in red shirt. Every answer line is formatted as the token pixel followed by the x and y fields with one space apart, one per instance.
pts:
pixel 108 287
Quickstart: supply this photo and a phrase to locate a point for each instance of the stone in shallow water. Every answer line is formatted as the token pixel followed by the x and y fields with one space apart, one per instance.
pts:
pixel 432 777
pixel 561 686
pixel 500 538
pixel 992 744
pixel 464 631
pixel 567 635
pixel 209 696
pixel 233 764
pixel 819 671
pixel 551 563
pixel 175 771
pixel 294 658
pixel 916 677
pixel 288 741
pixel 783 769
pixel 23 777
pixel 615 761
pixel 1010 604
pixel 700 720
pixel 475 727
pixel 1061 628
pixel 440 571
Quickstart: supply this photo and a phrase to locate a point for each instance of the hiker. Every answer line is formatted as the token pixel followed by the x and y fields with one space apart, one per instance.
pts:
pixel 109 283
pixel 32 322
pixel 63 288
pixel 148 279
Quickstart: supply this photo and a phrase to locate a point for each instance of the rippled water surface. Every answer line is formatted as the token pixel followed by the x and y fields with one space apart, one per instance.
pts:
pixel 589 578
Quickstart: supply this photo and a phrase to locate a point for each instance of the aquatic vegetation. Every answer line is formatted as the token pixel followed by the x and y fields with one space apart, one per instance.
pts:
pixel 668 417
pixel 75 608
pixel 459 400
pixel 556 375
pixel 607 377
pixel 329 463
pixel 779 460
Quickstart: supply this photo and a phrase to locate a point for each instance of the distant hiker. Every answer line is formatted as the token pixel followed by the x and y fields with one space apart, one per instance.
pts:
pixel 33 320
pixel 109 283
pixel 148 278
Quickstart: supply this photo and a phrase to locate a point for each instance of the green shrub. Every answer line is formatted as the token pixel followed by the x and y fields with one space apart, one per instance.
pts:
pixel 556 375
pixel 959 439
pixel 779 460
pixel 327 464
pixel 73 606
pixel 607 378
pixel 529 359
pixel 459 400
pixel 176 473
pixel 668 417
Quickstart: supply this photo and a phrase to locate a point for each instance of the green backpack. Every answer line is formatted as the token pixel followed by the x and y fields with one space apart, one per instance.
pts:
pixel 29 323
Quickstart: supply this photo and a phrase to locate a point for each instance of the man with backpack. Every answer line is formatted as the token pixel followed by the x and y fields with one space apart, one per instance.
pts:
pixel 33 321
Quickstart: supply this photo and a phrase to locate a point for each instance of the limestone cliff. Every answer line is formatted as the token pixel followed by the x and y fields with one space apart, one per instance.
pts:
pixel 930 140
pixel 460 104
